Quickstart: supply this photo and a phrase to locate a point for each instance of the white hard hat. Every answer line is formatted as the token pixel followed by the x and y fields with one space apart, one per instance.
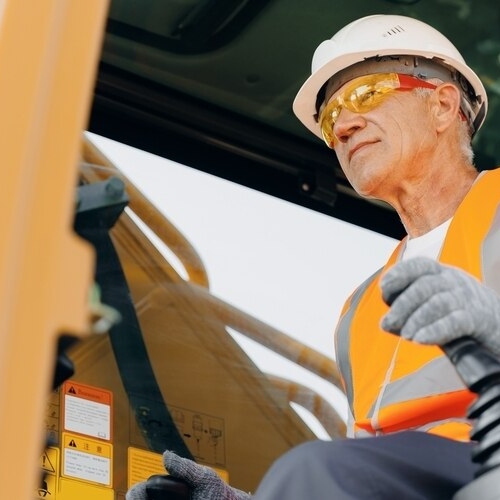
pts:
pixel 374 37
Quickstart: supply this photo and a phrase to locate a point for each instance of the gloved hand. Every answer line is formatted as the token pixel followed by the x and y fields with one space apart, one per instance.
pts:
pixel 204 482
pixel 433 304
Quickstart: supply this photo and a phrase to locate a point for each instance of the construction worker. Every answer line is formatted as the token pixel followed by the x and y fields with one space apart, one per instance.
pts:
pixel 399 106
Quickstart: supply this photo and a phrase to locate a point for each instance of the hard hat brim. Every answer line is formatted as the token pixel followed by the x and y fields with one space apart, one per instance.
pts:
pixel 304 104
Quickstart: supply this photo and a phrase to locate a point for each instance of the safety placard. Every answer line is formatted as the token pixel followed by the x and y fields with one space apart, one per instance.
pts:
pixel 50 460
pixel 87 410
pixel 49 463
pixel 203 434
pixel 52 417
pixel 47 487
pixel 143 464
pixel 87 459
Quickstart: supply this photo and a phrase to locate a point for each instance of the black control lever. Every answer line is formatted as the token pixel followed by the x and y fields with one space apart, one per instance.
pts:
pixel 165 487
pixel 480 371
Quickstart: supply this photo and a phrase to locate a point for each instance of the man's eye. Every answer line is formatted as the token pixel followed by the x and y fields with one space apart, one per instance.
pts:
pixel 367 98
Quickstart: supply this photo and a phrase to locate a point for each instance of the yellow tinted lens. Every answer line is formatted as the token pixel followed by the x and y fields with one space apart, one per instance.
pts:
pixel 327 120
pixel 361 95
pixel 367 92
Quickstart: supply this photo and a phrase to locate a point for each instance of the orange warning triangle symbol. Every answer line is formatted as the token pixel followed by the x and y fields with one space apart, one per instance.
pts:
pixel 71 390
pixel 72 443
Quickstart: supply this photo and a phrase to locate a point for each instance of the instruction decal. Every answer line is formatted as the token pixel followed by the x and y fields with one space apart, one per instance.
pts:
pixel 47 487
pixel 204 435
pixel 142 464
pixel 52 417
pixel 87 459
pixel 50 460
pixel 87 410
pixel 49 463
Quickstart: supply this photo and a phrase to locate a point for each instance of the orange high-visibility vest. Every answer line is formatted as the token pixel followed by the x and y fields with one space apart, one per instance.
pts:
pixel 393 384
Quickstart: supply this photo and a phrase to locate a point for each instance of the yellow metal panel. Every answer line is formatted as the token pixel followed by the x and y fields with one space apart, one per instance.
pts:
pixel 48 55
pixel 75 490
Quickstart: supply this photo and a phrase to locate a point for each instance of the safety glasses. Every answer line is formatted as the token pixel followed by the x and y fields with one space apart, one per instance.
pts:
pixel 362 95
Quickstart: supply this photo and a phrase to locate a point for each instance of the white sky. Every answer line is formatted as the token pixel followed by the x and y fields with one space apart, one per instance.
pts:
pixel 287 265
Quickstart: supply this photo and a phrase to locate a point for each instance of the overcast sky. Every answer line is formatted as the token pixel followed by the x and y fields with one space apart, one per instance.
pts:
pixel 287 265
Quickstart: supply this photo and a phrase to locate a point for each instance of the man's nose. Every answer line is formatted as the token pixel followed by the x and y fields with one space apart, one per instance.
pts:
pixel 347 123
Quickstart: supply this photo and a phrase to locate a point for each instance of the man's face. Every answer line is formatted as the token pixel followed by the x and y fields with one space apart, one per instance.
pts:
pixel 382 149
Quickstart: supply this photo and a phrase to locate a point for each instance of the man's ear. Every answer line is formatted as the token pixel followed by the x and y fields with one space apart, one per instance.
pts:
pixel 446 105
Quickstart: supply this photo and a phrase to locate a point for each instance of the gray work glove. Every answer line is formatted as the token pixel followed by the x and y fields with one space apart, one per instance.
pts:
pixel 204 482
pixel 433 304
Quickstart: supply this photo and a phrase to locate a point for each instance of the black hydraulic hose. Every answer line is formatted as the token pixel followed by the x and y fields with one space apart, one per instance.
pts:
pixel 99 206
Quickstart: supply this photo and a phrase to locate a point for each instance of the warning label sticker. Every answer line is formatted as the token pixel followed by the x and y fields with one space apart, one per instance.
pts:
pixel 87 459
pixel 87 410
pixel 143 464
pixel 47 487
pixel 52 417
pixel 50 460
pixel 203 434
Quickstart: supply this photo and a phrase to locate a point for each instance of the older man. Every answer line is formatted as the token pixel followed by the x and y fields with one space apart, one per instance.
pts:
pixel 399 106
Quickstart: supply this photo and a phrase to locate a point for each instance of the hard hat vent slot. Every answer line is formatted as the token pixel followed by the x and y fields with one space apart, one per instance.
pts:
pixel 394 31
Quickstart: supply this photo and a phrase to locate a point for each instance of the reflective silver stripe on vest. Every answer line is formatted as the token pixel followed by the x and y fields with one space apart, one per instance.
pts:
pixel 350 424
pixel 490 258
pixel 361 433
pixel 342 343
pixel 438 376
